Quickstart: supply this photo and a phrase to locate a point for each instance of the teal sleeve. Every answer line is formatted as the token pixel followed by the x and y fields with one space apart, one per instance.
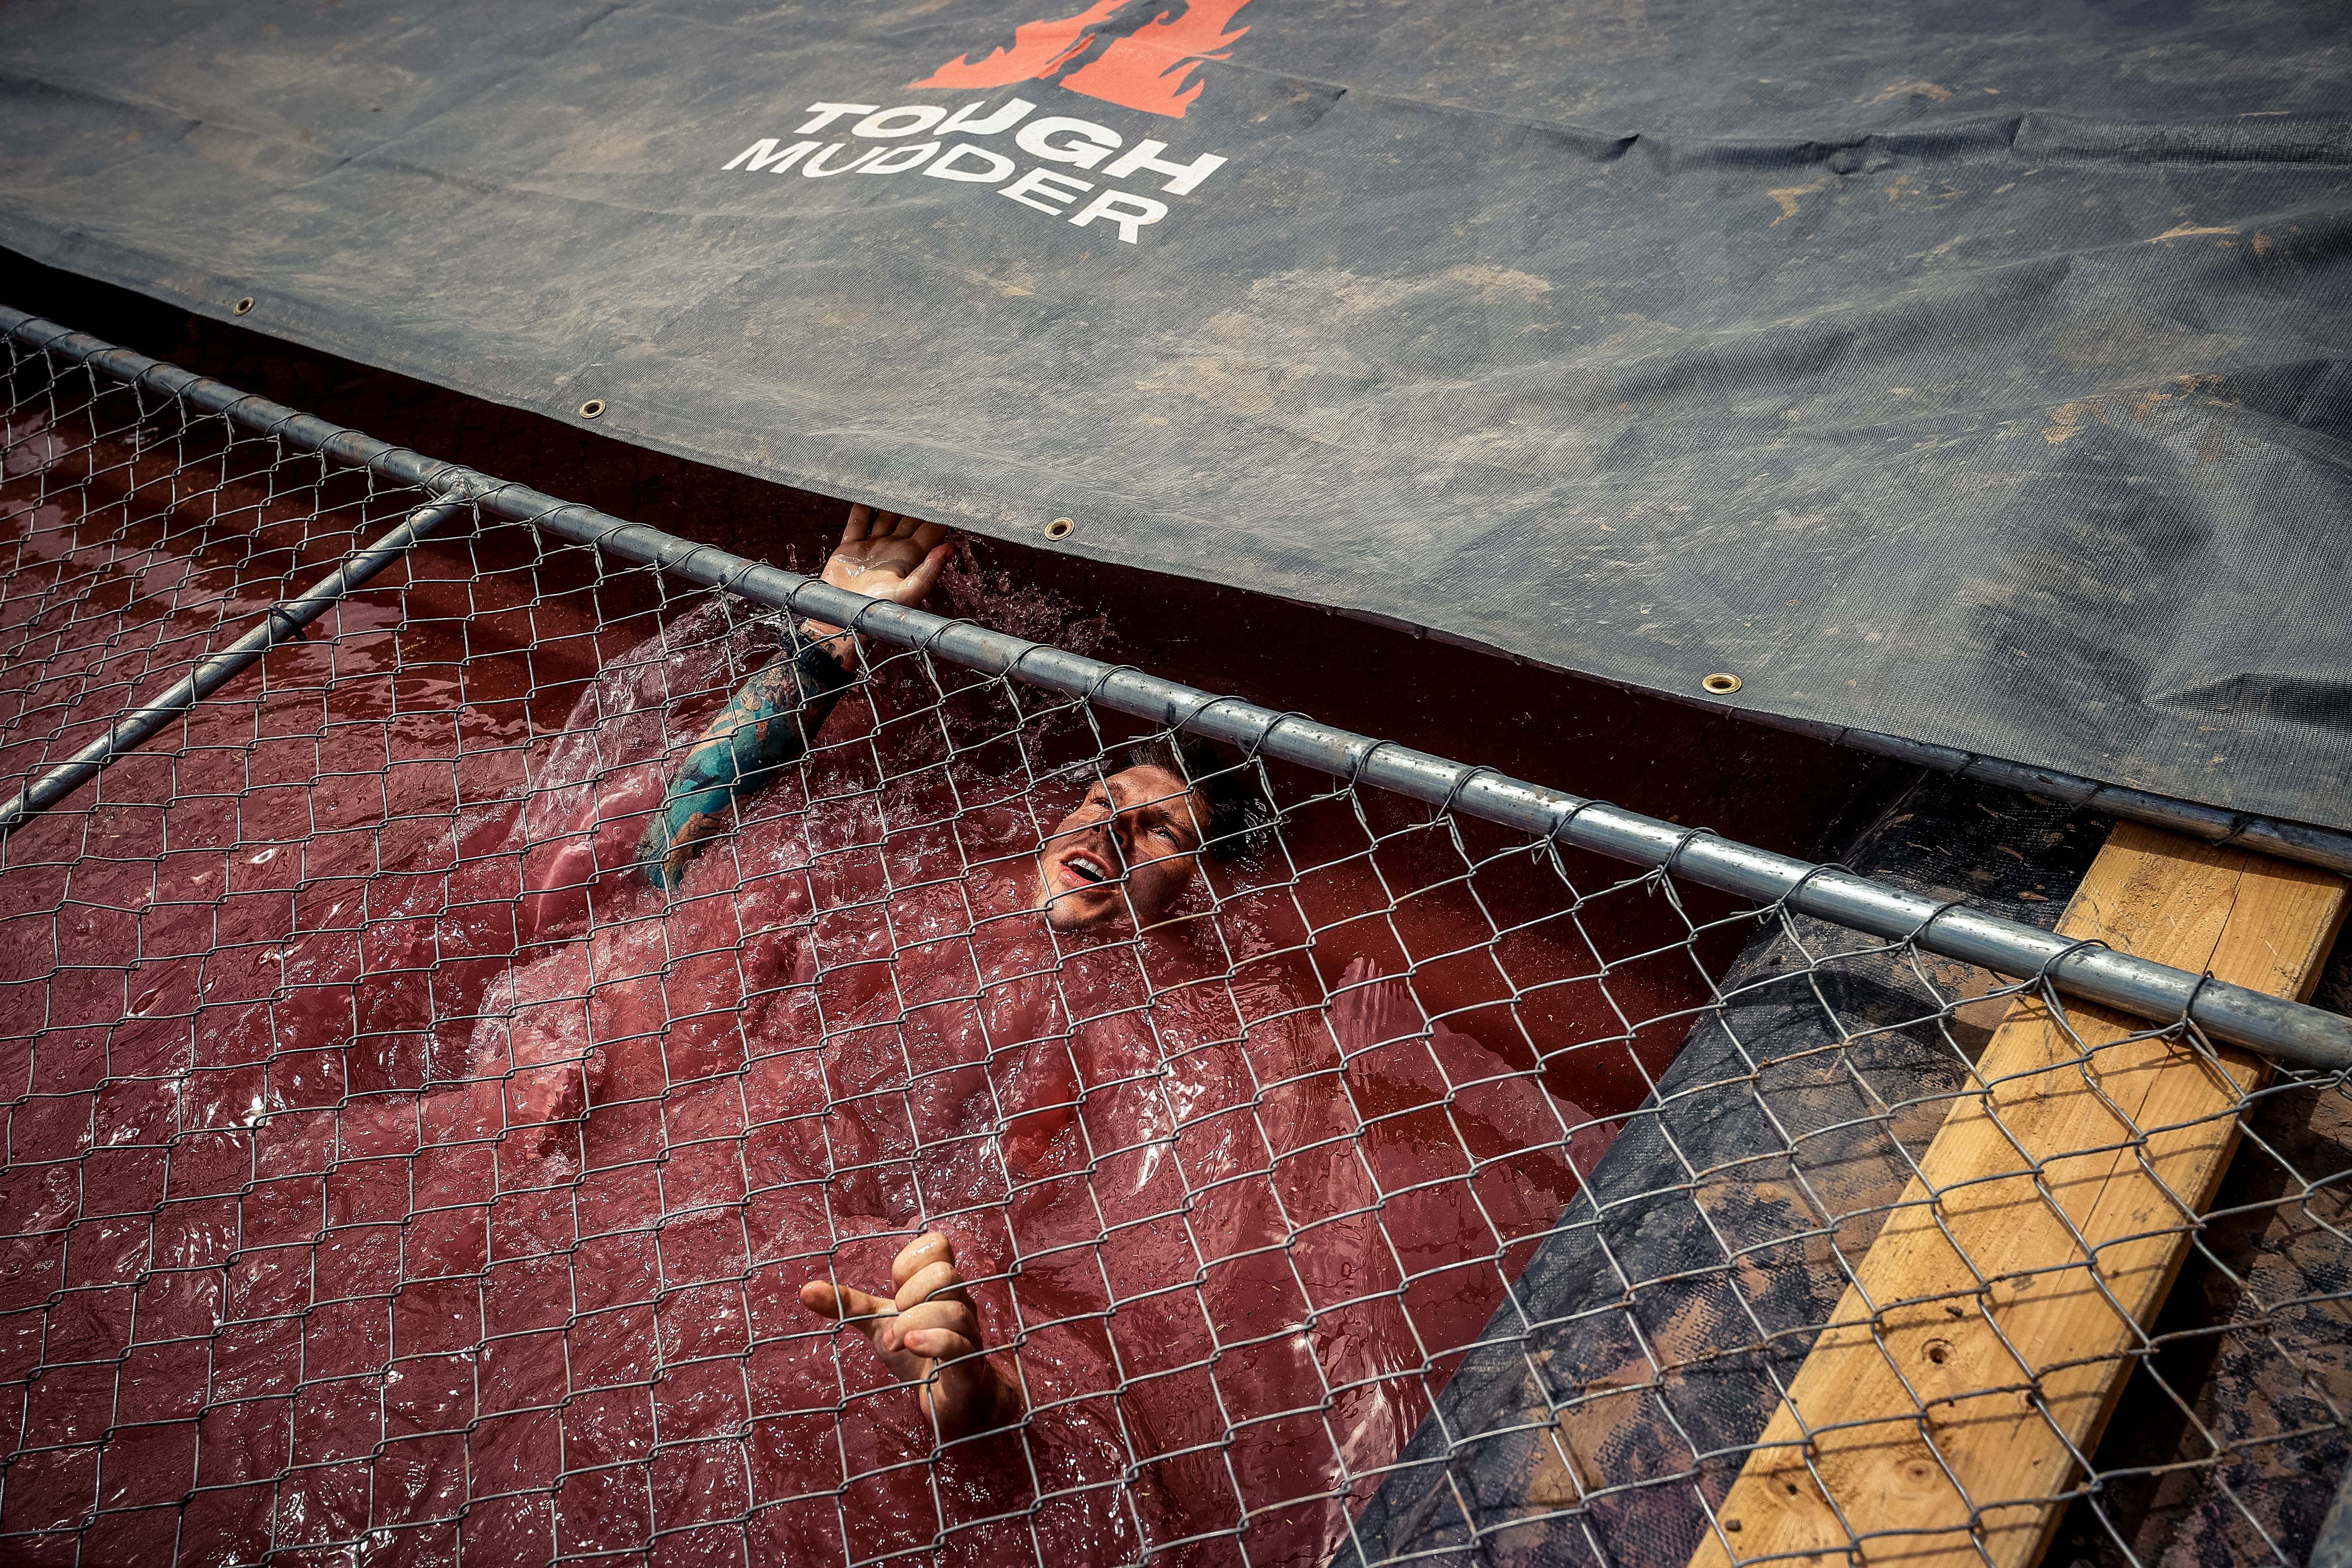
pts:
pixel 764 729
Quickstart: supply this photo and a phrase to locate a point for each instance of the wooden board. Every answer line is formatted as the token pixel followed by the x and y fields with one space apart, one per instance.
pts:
pixel 2007 1304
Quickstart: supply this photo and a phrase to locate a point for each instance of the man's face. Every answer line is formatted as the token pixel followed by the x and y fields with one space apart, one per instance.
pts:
pixel 1143 825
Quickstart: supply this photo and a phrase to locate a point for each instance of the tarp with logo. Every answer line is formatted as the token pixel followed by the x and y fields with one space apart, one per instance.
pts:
pixel 1970 372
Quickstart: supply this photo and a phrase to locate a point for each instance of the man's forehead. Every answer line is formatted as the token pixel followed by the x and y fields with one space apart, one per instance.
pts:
pixel 1147 783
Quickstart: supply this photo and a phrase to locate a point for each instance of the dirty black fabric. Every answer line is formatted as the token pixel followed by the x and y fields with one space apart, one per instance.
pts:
pixel 1971 372
pixel 1647 1339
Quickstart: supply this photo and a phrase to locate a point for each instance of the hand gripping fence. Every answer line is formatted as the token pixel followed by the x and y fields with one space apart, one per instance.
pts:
pixel 1424 1190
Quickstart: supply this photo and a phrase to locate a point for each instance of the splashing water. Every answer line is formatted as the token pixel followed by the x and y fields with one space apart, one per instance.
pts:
pixel 524 1233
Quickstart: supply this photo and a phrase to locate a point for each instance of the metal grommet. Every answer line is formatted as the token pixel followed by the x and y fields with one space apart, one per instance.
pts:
pixel 244 305
pixel 592 408
pixel 1721 685
pixel 1060 527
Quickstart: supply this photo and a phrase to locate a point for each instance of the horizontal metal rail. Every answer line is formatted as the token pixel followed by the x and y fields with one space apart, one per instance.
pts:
pixel 2307 842
pixel 282 623
pixel 2274 1025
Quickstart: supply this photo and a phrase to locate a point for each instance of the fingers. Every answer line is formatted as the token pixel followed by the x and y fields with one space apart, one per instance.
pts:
pixel 939 1343
pixel 919 1255
pixel 870 1316
pixel 929 1335
pixel 933 1282
pixel 930 1293
pixel 866 523
pixel 953 1313
pixel 936 1317
pixel 846 1302
pixel 919 1327
pixel 926 576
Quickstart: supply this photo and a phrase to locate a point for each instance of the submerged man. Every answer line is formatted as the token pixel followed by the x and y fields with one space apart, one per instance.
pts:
pixel 1119 861
pixel 1125 856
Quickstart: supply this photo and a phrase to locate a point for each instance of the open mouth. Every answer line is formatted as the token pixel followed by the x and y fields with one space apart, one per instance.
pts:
pixel 1085 866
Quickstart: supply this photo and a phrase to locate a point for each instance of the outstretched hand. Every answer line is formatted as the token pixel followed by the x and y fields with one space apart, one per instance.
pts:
pixel 929 1333
pixel 886 556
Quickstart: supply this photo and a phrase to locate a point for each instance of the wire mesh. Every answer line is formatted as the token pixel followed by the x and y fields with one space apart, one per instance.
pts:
pixel 380 1185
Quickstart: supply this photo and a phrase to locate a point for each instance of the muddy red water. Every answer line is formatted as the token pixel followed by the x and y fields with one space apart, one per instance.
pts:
pixel 342 1221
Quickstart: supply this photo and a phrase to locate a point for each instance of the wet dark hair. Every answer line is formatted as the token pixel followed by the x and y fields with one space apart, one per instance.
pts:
pixel 1240 816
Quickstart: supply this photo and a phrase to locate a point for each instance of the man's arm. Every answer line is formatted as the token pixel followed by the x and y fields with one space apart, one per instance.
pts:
pixel 773 721
pixel 766 726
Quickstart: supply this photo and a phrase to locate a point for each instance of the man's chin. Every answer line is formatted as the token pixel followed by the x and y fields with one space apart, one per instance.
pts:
pixel 1075 912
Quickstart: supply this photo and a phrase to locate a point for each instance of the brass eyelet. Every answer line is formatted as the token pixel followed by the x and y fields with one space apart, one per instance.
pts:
pixel 1721 685
pixel 1060 527
pixel 244 306
pixel 592 408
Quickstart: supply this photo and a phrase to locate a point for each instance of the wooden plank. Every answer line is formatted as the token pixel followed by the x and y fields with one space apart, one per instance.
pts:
pixel 2006 1305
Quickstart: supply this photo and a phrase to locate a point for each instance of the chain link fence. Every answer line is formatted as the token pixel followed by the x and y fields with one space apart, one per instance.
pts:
pixel 392 1174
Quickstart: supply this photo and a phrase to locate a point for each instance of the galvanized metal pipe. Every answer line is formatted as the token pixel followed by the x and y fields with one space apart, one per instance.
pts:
pixel 283 622
pixel 2288 1030
pixel 2307 842
pixel 2313 845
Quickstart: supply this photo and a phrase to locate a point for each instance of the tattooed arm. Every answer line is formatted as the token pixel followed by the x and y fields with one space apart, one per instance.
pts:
pixel 773 721
pixel 765 728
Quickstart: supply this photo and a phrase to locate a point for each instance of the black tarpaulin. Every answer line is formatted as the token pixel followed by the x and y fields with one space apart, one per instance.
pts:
pixel 1974 373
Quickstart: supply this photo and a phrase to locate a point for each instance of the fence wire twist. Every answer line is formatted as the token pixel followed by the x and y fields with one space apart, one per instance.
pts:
pixel 370 1196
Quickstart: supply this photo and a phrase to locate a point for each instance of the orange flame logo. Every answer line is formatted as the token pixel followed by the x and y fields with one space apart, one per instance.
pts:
pixel 1149 69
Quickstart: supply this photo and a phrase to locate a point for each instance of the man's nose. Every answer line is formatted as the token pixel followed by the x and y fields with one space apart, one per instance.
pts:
pixel 1115 833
